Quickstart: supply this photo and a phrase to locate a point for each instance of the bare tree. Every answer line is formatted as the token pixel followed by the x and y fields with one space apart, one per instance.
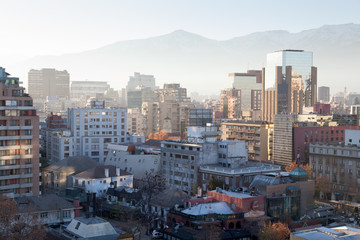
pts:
pixel 16 226
pixel 151 184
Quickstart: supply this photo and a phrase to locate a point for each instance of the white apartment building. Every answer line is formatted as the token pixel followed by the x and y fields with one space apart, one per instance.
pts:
pixel 89 131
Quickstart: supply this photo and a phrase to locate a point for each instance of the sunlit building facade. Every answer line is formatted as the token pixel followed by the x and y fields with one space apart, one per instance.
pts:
pixel 289 83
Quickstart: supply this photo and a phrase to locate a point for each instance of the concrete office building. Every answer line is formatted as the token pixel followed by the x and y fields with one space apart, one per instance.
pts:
pixel 324 94
pixel 48 82
pixel 180 162
pixel 200 117
pixel 147 81
pixel 19 140
pixel 289 83
pixel 249 85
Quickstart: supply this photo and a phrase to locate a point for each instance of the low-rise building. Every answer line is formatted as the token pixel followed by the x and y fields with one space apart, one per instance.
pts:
pixel 135 159
pixel 50 208
pixel 99 179
pixel 58 176
pixel 234 178
pixel 288 196
pixel 90 228
pixel 327 233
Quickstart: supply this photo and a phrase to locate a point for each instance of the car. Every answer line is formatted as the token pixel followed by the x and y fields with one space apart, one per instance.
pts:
pixel 157 235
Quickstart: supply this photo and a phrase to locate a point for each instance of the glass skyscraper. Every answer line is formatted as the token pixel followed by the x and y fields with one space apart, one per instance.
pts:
pixel 290 83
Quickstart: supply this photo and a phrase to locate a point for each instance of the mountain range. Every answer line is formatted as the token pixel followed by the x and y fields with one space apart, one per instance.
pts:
pixel 202 65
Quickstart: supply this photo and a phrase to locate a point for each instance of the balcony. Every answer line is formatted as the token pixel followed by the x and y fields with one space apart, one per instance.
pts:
pixel 10 186
pixel 16 127
pixel 5 177
pixel 16 137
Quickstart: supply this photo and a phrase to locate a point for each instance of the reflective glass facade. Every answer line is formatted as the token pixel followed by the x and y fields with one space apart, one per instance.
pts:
pixel 301 63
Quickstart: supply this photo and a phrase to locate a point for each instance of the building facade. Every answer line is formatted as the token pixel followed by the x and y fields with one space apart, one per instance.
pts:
pixel 99 179
pixel 200 117
pixel 88 88
pixel 250 86
pixel 48 82
pixel 258 137
pixel 180 162
pixel 289 83
pixel 339 166
pixel 324 94
pixel 230 103
pixel 88 132
pixel 19 140
pixel 138 79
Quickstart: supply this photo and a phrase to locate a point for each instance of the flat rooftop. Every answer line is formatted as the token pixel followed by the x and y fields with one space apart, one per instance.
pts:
pixel 209 208
pixel 235 194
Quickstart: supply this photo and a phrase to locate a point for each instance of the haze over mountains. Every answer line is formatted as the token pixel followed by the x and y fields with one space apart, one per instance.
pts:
pixel 201 64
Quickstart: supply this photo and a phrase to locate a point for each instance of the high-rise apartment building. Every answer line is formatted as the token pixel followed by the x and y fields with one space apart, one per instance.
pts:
pixel 168 111
pixel 258 137
pixel 230 103
pixel 323 94
pixel 48 82
pixel 19 140
pixel 172 89
pixel 88 132
pixel 135 122
pixel 289 83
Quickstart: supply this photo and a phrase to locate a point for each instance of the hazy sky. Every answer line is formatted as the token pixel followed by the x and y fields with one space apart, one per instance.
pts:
pixel 42 27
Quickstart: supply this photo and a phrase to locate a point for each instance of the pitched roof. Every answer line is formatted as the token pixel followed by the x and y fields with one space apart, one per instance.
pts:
pixel 72 165
pixel 43 203
pixel 169 197
pixel 99 172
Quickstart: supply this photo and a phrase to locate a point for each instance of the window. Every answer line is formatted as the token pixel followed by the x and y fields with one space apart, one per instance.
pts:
pixel 77 226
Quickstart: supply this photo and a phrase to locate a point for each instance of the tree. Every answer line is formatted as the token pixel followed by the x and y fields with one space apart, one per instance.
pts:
pixel 16 226
pixel 274 231
pixel 215 182
pixel 322 184
pixel 307 167
pixel 151 184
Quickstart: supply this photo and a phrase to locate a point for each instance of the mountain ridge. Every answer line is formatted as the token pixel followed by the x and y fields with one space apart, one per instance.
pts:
pixel 194 60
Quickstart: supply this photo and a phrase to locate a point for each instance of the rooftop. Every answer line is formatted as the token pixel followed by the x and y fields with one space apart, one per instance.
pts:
pixel 343 232
pixel 209 208
pixel 99 172
pixel 249 168
pixel 235 194
pixel 43 203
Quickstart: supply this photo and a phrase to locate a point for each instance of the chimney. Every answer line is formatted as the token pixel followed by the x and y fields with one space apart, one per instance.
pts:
pixel 76 205
pixel 117 171
pixel 107 172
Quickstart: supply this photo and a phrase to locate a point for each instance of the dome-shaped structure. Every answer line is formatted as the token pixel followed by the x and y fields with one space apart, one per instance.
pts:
pixel 298 174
